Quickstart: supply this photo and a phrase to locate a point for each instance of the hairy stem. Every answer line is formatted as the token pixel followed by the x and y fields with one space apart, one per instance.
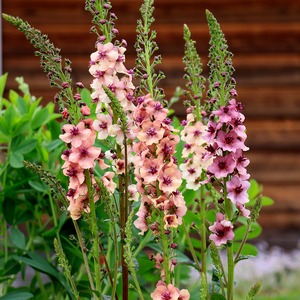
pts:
pixel 83 251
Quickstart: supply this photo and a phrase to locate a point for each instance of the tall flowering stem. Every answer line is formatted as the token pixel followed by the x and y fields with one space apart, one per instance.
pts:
pixel 226 136
pixel 146 47
pixel 192 133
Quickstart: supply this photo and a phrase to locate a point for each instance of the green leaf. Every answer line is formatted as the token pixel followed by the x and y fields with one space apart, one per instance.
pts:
pixel 40 118
pixel 254 189
pixel 267 201
pixel 244 257
pixel 41 264
pixel 21 126
pixel 54 145
pixel 38 186
pixel 8 210
pixel 22 106
pixel 13 97
pixel 248 249
pixel 23 216
pixel 17 238
pixel 26 146
pixel 4 128
pixel 11 267
pixel 10 115
pixel 16 160
pixel 255 231
pixel 3 79
pixel 17 295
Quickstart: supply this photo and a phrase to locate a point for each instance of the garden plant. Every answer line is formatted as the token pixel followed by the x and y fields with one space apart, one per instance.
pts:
pixel 122 200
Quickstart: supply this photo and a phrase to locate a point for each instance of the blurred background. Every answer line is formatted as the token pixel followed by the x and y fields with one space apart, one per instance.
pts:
pixel 264 36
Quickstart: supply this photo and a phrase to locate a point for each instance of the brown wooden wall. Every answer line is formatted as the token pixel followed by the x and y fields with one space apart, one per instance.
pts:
pixel 264 35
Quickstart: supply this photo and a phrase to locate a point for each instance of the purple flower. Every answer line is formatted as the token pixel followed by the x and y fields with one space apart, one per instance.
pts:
pixel 222 166
pixel 237 190
pixel 222 230
pixel 230 142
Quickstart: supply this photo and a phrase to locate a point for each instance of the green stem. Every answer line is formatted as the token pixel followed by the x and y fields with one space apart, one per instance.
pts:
pixel 95 233
pixel 230 263
pixel 137 285
pixel 85 260
pixel 243 242
pixel 191 247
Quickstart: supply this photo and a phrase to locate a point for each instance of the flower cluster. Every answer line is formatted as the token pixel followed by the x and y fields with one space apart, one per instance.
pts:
pixel 107 68
pixel 157 174
pixel 225 137
pixel 195 153
pixel 79 158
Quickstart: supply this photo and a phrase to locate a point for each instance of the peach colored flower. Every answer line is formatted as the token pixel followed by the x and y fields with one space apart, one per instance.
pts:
pixel 103 126
pixel 107 179
pixel 85 155
pixel 75 134
pixel 169 179
pixel 151 132
pixel 163 292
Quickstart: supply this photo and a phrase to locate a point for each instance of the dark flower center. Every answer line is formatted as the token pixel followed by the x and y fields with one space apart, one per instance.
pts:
pixel 74 131
pixel 153 170
pixel 222 165
pixel 229 140
pixel 166 296
pixel 238 189
pixel 83 152
pixel 220 233
pixel 151 131
pixel 167 180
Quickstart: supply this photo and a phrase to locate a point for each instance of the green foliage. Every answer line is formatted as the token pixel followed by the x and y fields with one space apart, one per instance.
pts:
pixel 27 131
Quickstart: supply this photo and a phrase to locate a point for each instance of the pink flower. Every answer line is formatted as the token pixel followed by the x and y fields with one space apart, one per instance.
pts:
pixel 230 141
pixel 155 109
pixel 222 230
pixel 169 179
pixel 244 211
pixel 75 172
pixel 141 222
pixel 166 146
pixel 103 125
pixel 241 163
pixel 85 110
pixel 211 131
pixel 184 295
pixel 194 134
pixel 106 55
pixel 107 179
pixel 85 155
pixel 150 169
pixel 75 134
pixel 151 133
pixel 222 166
pixel 171 220
pixel 133 193
pixel 163 292
pixel 237 190
pixel 226 113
